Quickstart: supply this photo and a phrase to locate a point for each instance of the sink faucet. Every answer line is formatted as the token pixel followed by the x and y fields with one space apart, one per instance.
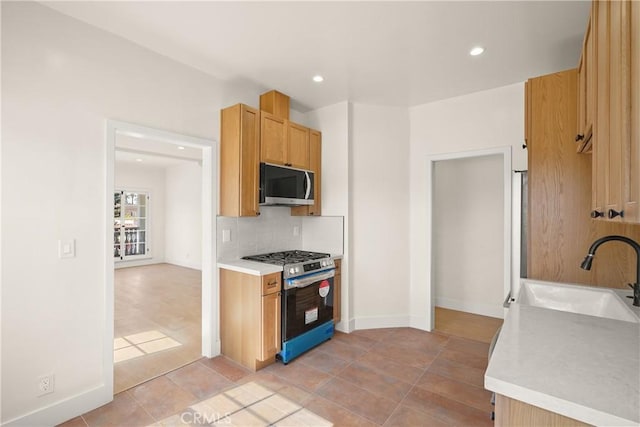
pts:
pixel 586 263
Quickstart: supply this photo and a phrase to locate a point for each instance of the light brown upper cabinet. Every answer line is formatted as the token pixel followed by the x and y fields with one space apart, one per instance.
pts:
pixel 275 103
pixel 315 165
pixel 615 176
pixel 298 146
pixel 283 142
pixel 239 161
pixel 586 90
pixel 273 139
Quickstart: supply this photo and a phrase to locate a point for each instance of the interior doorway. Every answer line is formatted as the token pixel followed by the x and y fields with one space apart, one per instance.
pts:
pixel 146 229
pixel 158 262
pixel 469 232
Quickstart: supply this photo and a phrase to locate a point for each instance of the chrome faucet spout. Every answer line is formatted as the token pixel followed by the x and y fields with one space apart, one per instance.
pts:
pixel 586 263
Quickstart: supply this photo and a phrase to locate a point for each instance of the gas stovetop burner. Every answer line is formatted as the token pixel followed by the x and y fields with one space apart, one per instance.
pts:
pixel 287 257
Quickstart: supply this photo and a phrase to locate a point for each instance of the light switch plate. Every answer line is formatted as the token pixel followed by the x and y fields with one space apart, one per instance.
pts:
pixel 226 236
pixel 67 248
pixel 296 230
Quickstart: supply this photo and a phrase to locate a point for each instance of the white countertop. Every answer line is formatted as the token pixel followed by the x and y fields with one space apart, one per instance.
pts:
pixel 582 367
pixel 254 268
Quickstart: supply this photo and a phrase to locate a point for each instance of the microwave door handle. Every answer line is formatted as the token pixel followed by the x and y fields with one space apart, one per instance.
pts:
pixel 308 182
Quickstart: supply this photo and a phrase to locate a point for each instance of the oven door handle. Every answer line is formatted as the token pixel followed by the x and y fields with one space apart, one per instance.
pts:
pixel 309 280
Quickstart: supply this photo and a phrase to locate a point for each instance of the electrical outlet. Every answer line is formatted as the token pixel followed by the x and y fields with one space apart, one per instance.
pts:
pixel 46 384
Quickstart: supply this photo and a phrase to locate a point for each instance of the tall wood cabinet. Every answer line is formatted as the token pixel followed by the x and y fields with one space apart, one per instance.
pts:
pixel 560 229
pixel 239 161
pixel 608 104
pixel 250 325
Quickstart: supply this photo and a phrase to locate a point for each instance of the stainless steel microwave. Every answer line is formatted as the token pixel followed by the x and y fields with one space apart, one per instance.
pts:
pixel 285 186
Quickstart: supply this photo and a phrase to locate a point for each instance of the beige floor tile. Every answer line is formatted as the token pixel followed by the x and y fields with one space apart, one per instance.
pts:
pixel 221 404
pixel 120 343
pixel 126 353
pixel 304 418
pixel 244 418
pixel 159 345
pixel 248 394
pixel 145 336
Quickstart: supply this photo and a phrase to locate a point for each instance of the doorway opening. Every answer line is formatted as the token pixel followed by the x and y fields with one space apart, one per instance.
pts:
pixel 469 232
pixel 161 288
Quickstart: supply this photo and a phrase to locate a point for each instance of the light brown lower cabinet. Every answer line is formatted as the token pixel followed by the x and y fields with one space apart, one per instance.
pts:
pixel 250 330
pixel 512 413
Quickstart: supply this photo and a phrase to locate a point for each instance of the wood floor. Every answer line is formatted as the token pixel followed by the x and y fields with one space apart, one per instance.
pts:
pixel 466 325
pixel 158 314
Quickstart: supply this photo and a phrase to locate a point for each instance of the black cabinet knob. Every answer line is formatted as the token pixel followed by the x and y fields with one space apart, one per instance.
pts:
pixel 579 137
pixel 596 214
pixel 613 213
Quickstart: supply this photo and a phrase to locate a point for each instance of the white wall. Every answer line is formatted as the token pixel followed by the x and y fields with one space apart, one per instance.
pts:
pixel 60 80
pixel 141 177
pixel 492 118
pixel 468 221
pixel 379 216
pixel 183 210
pixel 334 122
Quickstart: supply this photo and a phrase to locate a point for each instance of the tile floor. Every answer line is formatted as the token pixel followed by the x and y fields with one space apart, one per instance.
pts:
pixel 391 377
pixel 157 322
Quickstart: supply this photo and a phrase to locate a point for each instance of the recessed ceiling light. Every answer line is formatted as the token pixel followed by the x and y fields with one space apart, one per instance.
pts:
pixel 476 51
pixel 180 147
pixel 318 78
pixel 138 160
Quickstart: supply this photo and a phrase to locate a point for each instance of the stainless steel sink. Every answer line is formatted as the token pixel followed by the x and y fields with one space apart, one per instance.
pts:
pixel 592 301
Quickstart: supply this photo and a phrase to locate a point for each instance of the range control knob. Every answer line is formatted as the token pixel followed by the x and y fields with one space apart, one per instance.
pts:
pixel 297 269
pixel 292 270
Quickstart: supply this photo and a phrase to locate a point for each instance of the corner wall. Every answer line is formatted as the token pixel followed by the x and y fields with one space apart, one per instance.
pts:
pixel 379 216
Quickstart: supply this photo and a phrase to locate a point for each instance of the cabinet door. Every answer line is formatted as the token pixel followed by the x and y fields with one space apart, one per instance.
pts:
pixel 315 165
pixel 586 100
pixel 239 161
pixel 619 98
pixel 298 146
pixel 632 188
pixel 270 327
pixel 249 162
pixel 600 161
pixel 273 142
pixel 315 157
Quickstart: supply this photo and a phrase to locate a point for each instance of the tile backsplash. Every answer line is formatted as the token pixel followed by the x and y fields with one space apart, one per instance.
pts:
pixel 276 230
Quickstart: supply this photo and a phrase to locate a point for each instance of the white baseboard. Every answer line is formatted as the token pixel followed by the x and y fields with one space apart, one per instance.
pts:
pixel 376 322
pixel 137 263
pixel 491 310
pixel 64 410
pixel 186 264
pixel 419 322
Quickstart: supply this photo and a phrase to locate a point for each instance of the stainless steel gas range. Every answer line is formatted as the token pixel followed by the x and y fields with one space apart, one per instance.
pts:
pixel 307 299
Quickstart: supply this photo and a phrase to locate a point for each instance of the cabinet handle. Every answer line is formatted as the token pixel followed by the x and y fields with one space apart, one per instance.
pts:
pixel 579 137
pixel 614 213
pixel 596 214
pixel 272 284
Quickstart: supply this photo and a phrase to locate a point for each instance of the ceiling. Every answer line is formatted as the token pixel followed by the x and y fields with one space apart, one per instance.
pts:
pixel 152 153
pixel 388 53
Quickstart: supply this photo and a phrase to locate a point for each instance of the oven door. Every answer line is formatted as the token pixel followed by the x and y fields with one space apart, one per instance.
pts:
pixel 307 302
